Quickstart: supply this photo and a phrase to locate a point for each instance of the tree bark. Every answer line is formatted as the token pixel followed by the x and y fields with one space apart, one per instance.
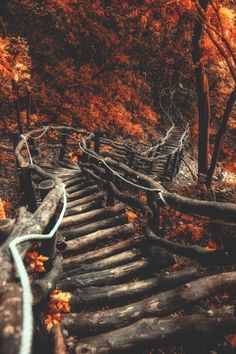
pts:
pixel 80 209
pixel 107 263
pixel 90 198
pixel 93 256
pixel 203 256
pixel 159 305
pixel 85 230
pixel 202 94
pixel 113 294
pixel 105 277
pixel 42 287
pixel 93 215
pixel 220 134
pixel 161 332
pixel 113 228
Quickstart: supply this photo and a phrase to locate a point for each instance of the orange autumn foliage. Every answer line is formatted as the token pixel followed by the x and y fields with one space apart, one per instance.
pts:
pixel 188 227
pixel 52 319
pixel 2 210
pixel 132 216
pixel 36 261
pixel 58 304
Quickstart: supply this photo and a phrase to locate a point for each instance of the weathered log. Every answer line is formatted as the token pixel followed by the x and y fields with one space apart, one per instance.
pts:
pixel 42 287
pixel 105 277
pixel 91 174
pixel 75 180
pixel 28 223
pixel 93 215
pixel 98 169
pixel 215 210
pixel 202 255
pixel 61 242
pixel 83 193
pixel 45 187
pixel 132 201
pixel 158 305
pixel 10 318
pixel 84 200
pixel 106 263
pixel 42 173
pixel 111 295
pixel 27 191
pixel 115 156
pixel 90 239
pixel 124 197
pixel 6 148
pixel 67 165
pixel 92 228
pixel 161 332
pixel 6 226
pixel 58 340
pixel 79 186
pixel 94 204
pixel 93 256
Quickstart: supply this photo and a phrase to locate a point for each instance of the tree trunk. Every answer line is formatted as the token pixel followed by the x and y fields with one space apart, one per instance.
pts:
pixel 220 134
pixel 202 88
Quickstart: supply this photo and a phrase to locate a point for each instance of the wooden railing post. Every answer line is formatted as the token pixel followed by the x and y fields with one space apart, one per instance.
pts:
pixel 97 136
pixel 63 148
pixel 152 203
pixel 27 190
pixel 48 246
pixel 131 157
pixel 150 167
pixel 110 194
pixel 85 156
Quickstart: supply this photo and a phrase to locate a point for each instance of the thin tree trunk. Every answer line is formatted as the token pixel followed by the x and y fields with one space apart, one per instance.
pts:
pixel 220 134
pixel 202 88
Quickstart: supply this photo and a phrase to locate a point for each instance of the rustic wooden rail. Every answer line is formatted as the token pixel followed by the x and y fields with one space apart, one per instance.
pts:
pixel 98 189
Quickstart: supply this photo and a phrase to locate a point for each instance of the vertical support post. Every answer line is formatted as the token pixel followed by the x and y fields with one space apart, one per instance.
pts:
pixel 152 203
pixel 31 143
pixel 63 148
pixel 27 191
pixel 48 246
pixel 110 194
pixel 150 167
pixel 97 136
pixel 15 138
pixel 85 157
pixel 131 157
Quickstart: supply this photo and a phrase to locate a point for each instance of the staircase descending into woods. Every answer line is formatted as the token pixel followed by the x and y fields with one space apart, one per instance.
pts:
pixel 123 294
pixel 162 161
